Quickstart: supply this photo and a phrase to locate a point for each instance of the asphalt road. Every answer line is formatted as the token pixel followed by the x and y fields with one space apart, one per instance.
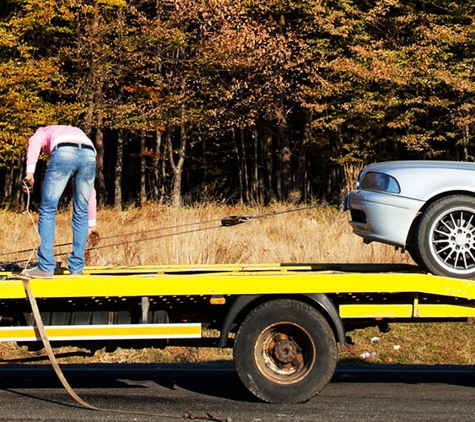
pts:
pixel 214 392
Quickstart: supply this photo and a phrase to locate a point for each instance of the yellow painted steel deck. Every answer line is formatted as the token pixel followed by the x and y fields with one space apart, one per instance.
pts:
pixel 265 279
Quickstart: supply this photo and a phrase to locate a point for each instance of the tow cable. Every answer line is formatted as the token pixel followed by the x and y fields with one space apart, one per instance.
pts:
pixel 228 221
pixel 225 222
pixel 234 220
pixel 59 373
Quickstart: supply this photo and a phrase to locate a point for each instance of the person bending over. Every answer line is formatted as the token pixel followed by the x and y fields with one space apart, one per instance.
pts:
pixel 72 155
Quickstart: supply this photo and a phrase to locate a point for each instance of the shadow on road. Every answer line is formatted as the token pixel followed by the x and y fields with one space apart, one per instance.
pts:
pixel 214 379
pixel 207 379
pixel 463 375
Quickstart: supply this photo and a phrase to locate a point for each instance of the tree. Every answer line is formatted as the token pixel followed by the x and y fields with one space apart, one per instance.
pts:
pixel 270 99
pixel 28 77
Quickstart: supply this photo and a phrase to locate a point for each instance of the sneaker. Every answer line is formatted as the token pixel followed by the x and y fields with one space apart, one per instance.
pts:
pixel 79 273
pixel 35 272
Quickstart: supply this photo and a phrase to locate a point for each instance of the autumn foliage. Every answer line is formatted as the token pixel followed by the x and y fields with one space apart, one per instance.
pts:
pixel 236 100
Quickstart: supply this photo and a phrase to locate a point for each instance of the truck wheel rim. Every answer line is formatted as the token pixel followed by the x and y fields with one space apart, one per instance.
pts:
pixel 285 353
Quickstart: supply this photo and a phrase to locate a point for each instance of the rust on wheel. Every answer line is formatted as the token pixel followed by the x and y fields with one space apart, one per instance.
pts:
pixel 285 353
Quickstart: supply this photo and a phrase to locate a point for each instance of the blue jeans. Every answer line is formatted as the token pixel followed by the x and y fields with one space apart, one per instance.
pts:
pixel 65 163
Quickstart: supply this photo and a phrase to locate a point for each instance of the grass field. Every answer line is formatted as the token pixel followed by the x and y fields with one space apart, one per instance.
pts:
pixel 163 235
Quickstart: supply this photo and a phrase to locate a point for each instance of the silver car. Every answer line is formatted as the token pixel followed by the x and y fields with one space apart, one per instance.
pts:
pixel 424 207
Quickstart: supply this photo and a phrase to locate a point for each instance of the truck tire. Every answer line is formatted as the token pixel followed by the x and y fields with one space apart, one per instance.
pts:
pixel 285 351
pixel 445 237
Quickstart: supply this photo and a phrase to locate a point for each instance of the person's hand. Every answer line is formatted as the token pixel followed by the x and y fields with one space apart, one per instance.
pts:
pixel 28 182
pixel 93 236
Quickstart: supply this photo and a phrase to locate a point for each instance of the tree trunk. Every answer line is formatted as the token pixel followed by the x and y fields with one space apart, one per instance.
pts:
pixel 268 154
pixel 99 143
pixel 155 187
pixel 465 142
pixel 300 174
pixel 164 168
pixel 285 181
pixel 239 166
pixel 118 171
pixel 334 183
pixel 255 172
pixel 244 168
pixel 143 164
pixel 7 190
pixel 178 166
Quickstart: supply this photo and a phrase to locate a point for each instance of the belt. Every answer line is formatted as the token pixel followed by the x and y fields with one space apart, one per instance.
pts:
pixel 75 145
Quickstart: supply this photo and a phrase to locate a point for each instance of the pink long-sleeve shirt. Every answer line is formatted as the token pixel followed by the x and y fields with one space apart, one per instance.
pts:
pixel 45 139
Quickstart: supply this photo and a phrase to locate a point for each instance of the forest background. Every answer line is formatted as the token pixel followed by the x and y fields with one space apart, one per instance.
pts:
pixel 242 101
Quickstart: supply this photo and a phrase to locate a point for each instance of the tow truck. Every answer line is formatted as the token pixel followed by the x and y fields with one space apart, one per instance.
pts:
pixel 283 321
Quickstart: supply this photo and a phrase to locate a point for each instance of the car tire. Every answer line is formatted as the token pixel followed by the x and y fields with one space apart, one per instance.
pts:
pixel 445 237
pixel 414 254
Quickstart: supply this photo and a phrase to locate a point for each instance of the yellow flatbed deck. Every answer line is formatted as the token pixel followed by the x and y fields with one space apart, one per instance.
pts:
pixel 266 279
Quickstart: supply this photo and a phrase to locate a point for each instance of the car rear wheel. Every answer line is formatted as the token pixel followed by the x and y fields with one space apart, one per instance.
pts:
pixel 445 237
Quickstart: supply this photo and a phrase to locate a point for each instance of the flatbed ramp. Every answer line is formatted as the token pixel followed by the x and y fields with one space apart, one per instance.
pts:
pixel 283 320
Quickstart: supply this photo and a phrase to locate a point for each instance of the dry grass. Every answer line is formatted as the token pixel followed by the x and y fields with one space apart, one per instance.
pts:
pixel 164 235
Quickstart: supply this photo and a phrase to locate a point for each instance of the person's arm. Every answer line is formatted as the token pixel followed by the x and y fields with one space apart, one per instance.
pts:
pixel 93 233
pixel 35 144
